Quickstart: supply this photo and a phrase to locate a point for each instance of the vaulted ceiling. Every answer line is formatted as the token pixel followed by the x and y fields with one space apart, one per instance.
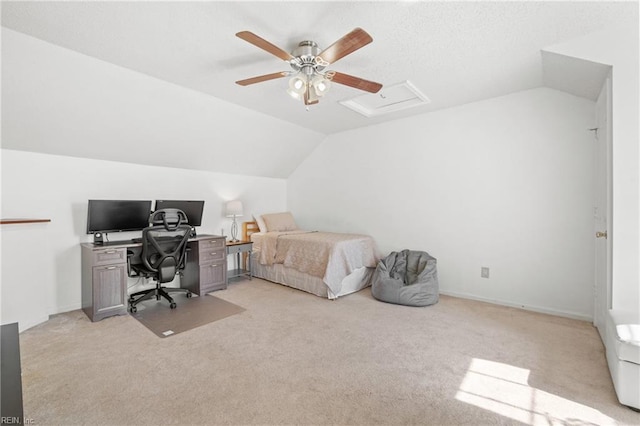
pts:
pixel 454 52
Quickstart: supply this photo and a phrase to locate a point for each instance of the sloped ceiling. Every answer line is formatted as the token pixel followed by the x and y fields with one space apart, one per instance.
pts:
pixel 454 52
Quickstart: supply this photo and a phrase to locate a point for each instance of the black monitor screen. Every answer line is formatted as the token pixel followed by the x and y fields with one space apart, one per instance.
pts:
pixel 117 215
pixel 193 209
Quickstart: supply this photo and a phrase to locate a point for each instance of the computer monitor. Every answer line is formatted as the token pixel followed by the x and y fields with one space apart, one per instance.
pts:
pixel 193 209
pixel 117 215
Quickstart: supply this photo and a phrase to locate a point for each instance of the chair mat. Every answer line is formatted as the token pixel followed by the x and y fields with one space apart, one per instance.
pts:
pixel 189 314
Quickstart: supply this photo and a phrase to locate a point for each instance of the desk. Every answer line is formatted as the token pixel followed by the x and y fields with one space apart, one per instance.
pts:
pixel 237 247
pixel 105 273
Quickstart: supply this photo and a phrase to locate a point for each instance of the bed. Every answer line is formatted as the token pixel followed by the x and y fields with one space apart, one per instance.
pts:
pixel 326 264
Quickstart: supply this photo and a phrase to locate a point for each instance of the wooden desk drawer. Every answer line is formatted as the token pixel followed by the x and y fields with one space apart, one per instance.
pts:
pixel 214 243
pixel 211 254
pixel 109 256
pixel 213 277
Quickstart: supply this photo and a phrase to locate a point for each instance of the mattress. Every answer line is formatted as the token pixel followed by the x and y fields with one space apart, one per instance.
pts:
pixel 348 266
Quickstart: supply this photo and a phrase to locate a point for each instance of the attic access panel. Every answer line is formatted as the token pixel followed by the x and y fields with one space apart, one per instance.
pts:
pixel 389 99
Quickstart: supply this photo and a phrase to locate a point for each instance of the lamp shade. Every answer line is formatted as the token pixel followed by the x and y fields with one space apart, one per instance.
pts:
pixel 297 87
pixel 321 85
pixel 234 208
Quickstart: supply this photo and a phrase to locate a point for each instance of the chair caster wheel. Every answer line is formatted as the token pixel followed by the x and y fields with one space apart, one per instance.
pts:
pixel 133 309
pixel 173 305
pixel 189 294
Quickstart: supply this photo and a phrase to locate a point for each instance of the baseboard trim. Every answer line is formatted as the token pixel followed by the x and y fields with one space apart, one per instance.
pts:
pixel 25 325
pixel 531 308
pixel 54 310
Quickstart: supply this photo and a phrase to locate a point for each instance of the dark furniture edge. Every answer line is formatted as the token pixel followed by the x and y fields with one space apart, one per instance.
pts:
pixel 18 221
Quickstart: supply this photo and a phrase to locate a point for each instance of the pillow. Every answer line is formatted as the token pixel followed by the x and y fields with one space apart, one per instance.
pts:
pixel 260 221
pixel 279 222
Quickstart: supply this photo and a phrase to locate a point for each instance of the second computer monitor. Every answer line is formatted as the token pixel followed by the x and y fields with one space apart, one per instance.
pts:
pixel 193 209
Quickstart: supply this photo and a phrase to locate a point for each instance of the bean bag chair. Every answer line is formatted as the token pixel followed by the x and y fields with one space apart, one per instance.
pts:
pixel 406 278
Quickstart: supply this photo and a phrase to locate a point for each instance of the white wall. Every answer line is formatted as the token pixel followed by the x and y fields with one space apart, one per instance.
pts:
pixel 58 187
pixel 504 183
pixel 619 48
pixel 88 108
pixel 28 274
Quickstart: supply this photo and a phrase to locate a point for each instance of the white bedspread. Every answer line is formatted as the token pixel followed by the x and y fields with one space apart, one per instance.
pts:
pixel 327 255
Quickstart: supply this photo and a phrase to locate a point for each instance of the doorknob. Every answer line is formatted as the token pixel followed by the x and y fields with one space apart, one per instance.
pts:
pixel 601 234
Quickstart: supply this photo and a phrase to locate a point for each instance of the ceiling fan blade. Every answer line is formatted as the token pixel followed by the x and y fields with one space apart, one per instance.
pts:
pixel 264 45
pixel 346 45
pixel 357 82
pixel 262 78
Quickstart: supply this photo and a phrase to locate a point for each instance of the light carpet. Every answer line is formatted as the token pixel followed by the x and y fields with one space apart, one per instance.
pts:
pixel 294 358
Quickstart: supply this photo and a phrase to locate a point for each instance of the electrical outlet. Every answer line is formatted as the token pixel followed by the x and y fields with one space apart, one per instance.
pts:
pixel 484 272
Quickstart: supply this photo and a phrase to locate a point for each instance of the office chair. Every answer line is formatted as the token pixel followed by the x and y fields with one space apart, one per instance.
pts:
pixel 164 248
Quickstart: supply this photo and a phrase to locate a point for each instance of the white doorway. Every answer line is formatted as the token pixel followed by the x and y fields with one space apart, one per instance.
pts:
pixel 602 209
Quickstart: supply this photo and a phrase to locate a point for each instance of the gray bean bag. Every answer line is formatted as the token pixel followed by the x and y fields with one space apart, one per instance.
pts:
pixel 406 278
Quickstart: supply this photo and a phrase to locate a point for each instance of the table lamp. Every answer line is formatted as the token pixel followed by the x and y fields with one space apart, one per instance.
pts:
pixel 234 209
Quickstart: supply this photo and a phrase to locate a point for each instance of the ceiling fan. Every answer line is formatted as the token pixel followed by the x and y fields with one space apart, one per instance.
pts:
pixel 310 81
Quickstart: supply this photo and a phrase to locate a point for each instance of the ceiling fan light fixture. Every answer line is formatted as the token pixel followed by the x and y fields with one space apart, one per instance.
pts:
pixel 297 86
pixel 320 85
pixel 308 62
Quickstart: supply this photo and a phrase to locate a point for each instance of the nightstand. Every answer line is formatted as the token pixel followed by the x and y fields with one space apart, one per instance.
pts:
pixel 237 248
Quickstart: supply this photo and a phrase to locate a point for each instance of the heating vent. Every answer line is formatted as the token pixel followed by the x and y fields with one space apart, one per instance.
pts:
pixel 389 99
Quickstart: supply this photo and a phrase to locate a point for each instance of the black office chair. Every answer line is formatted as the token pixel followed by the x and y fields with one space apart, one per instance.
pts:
pixel 164 248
